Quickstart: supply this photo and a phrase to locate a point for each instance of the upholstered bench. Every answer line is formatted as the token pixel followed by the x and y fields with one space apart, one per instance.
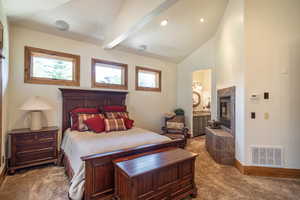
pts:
pixel 159 176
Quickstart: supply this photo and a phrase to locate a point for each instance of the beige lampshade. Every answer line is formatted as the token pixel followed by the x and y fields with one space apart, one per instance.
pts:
pixel 35 103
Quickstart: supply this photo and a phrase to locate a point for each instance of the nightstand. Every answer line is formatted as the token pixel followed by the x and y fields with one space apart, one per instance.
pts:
pixel 31 148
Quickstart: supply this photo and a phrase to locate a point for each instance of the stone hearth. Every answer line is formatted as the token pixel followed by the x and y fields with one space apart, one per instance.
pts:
pixel 220 145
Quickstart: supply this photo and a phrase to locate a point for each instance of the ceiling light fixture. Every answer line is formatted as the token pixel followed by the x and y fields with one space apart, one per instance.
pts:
pixel 201 20
pixel 142 47
pixel 62 25
pixel 164 22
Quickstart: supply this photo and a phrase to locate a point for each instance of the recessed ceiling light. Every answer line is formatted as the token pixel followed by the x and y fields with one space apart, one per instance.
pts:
pixel 62 25
pixel 164 22
pixel 201 20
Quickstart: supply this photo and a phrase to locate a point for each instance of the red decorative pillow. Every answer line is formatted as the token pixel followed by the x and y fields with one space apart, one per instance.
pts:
pixel 95 124
pixel 114 125
pixel 74 115
pixel 82 117
pixel 114 108
pixel 128 123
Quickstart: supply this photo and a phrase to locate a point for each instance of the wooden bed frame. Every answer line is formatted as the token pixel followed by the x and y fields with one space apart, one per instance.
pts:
pixel 99 170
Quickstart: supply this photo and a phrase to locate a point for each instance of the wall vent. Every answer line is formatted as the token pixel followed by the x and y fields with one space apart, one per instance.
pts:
pixel 269 156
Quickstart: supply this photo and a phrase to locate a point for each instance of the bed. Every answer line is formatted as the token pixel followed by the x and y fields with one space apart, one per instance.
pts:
pixel 90 169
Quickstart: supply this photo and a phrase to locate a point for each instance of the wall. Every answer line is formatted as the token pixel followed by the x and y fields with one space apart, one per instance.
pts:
pixel 146 108
pixel 202 58
pixel 5 69
pixel 224 54
pixel 272 34
pixel 229 58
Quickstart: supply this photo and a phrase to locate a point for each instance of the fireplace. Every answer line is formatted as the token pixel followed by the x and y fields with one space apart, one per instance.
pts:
pixel 220 143
pixel 226 108
pixel 225 111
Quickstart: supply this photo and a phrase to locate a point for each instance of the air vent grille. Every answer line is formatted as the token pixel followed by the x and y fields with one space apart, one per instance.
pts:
pixel 267 156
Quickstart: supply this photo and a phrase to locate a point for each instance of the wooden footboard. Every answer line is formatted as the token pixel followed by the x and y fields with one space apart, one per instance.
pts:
pixel 99 170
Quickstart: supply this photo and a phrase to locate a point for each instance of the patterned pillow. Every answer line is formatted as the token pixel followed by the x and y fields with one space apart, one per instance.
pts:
pixel 116 115
pixel 82 117
pixel 114 125
pixel 175 125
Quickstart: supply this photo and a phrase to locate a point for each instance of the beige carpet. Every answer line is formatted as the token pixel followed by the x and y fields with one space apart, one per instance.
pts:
pixel 214 182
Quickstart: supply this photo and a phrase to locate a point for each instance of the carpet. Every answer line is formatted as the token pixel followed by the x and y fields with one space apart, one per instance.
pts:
pixel 214 182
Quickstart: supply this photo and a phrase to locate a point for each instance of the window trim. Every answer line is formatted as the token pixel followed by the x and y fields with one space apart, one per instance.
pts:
pixel 105 85
pixel 137 87
pixel 27 68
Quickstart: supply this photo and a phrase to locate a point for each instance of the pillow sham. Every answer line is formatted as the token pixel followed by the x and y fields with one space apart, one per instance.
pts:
pixel 95 124
pixel 74 115
pixel 82 117
pixel 114 108
pixel 114 125
pixel 116 115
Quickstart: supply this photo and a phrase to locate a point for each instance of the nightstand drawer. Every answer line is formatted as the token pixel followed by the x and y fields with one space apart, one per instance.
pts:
pixel 26 138
pixel 46 136
pixel 35 138
pixel 30 156
pixel 35 146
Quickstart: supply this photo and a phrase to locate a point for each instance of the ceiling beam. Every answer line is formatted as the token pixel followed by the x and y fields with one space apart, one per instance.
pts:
pixel 138 23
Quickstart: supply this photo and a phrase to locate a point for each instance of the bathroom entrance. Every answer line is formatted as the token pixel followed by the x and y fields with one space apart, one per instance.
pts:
pixel 202 92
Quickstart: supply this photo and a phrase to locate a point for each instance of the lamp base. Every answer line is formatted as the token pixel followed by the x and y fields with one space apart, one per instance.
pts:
pixel 36 121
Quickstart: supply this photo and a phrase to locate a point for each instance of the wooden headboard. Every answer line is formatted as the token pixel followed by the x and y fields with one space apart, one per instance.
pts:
pixel 75 98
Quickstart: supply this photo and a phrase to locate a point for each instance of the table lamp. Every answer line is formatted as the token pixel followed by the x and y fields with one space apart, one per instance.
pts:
pixel 36 105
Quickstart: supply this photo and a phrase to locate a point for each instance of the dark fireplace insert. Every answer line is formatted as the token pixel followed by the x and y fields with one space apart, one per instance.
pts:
pixel 225 111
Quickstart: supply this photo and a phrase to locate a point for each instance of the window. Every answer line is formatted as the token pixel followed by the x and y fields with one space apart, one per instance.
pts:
pixel 148 79
pixel 51 67
pixel 107 74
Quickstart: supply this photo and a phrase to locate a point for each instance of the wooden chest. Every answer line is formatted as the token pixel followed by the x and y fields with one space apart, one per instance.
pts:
pixel 159 176
pixel 30 148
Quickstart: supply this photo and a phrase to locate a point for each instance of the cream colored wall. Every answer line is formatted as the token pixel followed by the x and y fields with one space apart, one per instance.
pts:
pixel 224 55
pixel 5 70
pixel 272 35
pixel 146 108
pixel 204 78
pixel 256 49
pixel 202 58
pixel 229 59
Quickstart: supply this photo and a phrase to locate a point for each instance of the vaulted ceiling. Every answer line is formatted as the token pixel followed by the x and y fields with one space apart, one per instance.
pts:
pixel 128 25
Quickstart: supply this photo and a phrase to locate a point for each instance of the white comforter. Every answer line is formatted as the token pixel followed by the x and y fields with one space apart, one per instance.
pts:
pixel 77 144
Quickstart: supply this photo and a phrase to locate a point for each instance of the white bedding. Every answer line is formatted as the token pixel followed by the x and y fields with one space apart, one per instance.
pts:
pixel 77 144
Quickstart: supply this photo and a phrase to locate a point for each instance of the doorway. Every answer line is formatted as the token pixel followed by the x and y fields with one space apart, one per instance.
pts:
pixel 202 95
